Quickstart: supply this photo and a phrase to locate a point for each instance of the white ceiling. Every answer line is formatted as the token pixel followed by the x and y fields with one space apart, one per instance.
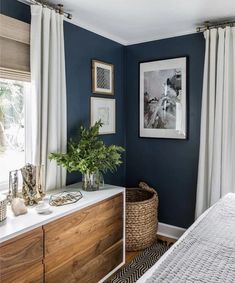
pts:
pixel 134 21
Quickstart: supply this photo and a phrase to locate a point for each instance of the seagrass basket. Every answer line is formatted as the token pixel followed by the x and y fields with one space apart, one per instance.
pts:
pixel 141 217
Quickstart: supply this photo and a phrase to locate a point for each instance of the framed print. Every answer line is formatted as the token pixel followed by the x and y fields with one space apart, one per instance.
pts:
pixel 162 105
pixel 102 77
pixel 104 109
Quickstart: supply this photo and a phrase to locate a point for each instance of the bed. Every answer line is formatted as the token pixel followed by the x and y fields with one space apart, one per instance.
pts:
pixel 205 253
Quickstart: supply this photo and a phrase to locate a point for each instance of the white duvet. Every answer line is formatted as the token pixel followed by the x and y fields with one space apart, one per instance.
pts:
pixel 205 253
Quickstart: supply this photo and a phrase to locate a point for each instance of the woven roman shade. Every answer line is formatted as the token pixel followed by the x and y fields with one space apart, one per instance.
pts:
pixel 14 49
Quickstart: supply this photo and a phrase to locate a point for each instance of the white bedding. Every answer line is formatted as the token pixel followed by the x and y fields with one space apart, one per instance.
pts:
pixel 161 271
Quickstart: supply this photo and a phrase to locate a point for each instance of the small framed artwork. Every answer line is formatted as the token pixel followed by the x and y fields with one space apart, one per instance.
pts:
pixel 162 105
pixel 104 109
pixel 102 77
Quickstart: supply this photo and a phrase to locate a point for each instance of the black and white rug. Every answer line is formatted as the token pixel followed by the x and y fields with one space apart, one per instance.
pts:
pixel 140 264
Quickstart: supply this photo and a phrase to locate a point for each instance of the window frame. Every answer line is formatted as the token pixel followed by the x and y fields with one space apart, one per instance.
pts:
pixel 19 33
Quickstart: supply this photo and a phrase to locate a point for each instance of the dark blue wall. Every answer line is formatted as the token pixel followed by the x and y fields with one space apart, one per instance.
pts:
pixel 15 9
pixel 80 47
pixel 170 166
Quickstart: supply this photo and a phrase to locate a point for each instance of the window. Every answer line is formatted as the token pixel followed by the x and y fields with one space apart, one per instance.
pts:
pixel 14 87
pixel 12 127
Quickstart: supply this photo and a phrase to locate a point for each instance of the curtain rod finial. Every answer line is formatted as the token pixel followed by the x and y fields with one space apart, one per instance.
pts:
pixel 69 16
pixel 61 8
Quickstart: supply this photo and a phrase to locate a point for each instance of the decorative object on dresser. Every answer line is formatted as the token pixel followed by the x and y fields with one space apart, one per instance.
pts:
pixel 90 156
pixel 102 77
pixel 103 109
pixel 32 190
pixel 141 217
pixel 18 206
pixel 43 208
pixel 163 98
pixel 13 185
pixel 3 207
pixel 65 198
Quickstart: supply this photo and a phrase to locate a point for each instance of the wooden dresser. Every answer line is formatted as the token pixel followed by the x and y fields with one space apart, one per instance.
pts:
pixel 82 245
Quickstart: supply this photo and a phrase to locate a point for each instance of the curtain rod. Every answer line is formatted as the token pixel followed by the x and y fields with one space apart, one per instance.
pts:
pixel 58 8
pixel 209 25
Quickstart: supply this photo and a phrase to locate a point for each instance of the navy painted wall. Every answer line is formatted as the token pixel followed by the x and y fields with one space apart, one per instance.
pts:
pixel 15 9
pixel 170 166
pixel 80 47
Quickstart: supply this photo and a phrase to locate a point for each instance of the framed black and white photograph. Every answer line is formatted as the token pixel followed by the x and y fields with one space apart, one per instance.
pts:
pixel 163 98
pixel 104 109
pixel 102 77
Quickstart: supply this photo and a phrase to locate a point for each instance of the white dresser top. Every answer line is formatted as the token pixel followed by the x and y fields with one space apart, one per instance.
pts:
pixel 16 225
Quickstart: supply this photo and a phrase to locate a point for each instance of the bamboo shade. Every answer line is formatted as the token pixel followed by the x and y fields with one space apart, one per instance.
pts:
pixel 14 49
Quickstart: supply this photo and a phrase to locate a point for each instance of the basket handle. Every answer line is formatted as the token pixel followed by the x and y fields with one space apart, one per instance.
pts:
pixel 145 187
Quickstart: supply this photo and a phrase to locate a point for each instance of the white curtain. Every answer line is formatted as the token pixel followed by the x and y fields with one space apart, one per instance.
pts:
pixel 216 172
pixel 46 127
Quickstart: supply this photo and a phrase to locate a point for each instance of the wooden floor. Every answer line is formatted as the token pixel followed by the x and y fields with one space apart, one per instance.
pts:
pixel 131 255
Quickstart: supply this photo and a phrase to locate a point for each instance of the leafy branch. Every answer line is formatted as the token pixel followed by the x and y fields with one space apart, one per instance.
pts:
pixel 89 154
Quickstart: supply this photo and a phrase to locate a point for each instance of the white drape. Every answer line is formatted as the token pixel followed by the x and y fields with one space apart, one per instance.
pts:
pixel 48 125
pixel 216 172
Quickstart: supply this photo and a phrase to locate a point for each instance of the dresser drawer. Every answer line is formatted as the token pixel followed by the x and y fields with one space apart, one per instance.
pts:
pixel 92 271
pixel 32 274
pixel 21 258
pixel 83 240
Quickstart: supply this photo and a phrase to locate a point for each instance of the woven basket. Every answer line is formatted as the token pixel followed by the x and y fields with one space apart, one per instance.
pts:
pixel 141 217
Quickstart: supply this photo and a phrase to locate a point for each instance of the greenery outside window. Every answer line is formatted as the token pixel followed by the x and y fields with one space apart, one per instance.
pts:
pixel 12 127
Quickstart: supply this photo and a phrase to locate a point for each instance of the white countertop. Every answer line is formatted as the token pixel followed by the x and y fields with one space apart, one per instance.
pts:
pixel 16 225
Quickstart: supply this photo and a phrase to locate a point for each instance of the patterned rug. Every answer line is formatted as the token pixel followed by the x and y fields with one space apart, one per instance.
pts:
pixel 140 264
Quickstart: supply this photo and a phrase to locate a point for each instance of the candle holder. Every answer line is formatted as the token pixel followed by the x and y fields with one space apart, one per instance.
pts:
pixel 13 186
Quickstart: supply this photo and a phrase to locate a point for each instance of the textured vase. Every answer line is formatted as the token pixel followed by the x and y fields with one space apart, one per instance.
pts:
pixel 89 182
pixel 92 181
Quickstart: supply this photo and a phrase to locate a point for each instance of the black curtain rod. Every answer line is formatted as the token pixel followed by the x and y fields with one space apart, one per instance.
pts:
pixel 210 25
pixel 58 8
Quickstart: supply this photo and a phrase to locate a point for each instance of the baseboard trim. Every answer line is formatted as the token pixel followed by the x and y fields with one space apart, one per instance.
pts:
pixel 170 231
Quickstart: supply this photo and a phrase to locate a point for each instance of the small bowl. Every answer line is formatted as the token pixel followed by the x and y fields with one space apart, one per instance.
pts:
pixel 43 208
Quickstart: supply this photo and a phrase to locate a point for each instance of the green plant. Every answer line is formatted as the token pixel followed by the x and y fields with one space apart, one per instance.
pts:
pixel 89 154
